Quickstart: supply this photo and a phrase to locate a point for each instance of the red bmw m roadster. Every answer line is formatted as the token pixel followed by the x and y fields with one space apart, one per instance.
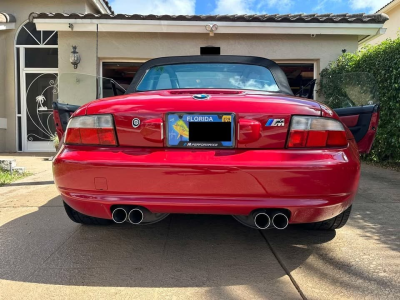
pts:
pixel 211 135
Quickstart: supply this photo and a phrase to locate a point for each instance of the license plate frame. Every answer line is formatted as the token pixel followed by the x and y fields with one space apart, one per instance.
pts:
pixel 172 117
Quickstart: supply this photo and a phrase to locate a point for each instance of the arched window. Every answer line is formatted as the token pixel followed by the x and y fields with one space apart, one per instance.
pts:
pixel 37 74
pixel 28 35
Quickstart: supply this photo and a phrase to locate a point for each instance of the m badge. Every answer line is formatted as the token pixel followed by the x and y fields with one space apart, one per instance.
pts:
pixel 275 122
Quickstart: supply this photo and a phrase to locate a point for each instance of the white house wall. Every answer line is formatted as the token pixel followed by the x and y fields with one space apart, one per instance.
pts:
pixel 392 25
pixel 2 87
pixel 116 46
pixel 70 91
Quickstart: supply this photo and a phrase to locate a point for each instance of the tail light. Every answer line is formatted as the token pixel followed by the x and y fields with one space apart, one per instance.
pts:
pixel 91 130
pixel 316 132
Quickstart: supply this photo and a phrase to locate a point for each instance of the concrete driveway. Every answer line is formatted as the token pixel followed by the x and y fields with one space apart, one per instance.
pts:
pixel 45 255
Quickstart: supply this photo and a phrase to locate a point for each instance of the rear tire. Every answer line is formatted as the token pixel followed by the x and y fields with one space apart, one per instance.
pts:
pixel 331 224
pixel 77 217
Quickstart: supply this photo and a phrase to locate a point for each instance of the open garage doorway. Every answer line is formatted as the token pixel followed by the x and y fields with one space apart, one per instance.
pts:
pixel 121 72
pixel 301 76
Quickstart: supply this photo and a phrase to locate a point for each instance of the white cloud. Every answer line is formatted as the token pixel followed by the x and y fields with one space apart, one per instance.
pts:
pixel 233 7
pixel 156 7
pixel 320 5
pixel 251 6
pixel 370 6
pixel 283 6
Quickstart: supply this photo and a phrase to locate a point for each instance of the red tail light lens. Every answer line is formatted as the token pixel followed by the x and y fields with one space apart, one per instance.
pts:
pixel 91 130
pixel 297 138
pixel 316 132
pixel 336 139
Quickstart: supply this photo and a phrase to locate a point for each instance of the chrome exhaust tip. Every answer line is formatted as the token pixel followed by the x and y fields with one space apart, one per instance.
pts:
pixel 135 216
pixel 262 220
pixel 280 221
pixel 119 215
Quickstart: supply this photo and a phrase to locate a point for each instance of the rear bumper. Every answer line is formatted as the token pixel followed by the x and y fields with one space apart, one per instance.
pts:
pixel 313 185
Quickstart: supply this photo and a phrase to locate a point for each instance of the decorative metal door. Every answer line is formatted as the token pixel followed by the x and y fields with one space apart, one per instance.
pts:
pixel 40 92
pixel 37 74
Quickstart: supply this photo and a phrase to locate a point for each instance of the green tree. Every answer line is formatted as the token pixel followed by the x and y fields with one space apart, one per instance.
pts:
pixel 383 62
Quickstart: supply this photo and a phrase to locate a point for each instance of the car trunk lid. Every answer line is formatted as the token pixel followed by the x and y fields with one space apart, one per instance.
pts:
pixel 261 119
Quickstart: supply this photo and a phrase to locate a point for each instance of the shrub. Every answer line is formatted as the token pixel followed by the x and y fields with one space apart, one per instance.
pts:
pixel 383 62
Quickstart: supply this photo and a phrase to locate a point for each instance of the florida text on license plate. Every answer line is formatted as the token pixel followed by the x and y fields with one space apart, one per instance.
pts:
pixel 201 130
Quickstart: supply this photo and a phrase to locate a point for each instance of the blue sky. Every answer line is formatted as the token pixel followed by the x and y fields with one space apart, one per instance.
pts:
pixel 175 7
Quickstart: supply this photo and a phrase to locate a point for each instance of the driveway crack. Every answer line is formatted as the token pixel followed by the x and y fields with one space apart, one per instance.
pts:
pixel 295 284
pixel 62 244
pixel 167 237
pixel 37 268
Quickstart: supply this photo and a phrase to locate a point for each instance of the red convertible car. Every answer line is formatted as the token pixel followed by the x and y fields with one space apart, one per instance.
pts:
pixel 211 135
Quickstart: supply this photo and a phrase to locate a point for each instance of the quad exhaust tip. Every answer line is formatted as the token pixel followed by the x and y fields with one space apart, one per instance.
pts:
pixel 262 220
pixel 119 215
pixel 135 216
pixel 274 219
pixel 280 221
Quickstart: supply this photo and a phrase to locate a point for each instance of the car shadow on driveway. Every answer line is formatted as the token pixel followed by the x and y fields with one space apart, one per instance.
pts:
pixel 44 246
pixel 362 260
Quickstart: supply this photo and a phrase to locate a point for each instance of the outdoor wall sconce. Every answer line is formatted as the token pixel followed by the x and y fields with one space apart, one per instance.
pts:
pixel 75 57
pixel 211 28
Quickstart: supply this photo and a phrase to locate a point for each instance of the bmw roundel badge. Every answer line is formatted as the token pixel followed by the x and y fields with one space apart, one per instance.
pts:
pixel 135 123
pixel 201 96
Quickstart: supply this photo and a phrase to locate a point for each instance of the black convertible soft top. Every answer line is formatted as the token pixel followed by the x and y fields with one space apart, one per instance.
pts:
pixel 276 71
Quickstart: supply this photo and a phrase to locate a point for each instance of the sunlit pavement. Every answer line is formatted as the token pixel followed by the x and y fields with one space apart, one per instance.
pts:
pixel 45 255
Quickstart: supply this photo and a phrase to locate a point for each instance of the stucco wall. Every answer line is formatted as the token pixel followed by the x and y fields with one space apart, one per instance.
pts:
pixel 392 25
pixel 2 82
pixel 81 88
pixel 144 46
pixel 150 45
pixel 21 10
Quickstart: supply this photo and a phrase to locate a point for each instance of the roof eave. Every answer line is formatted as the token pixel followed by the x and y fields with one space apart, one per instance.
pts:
pixel 112 25
pixel 388 7
pixel 103 6
pixel 264 18
pixel 366 39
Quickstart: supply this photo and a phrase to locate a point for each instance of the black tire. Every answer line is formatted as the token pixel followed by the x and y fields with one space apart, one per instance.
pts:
pixel 77 217
pixel 331 224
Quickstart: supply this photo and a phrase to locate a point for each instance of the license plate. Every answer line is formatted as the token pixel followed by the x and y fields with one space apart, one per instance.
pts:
pixel 201 130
